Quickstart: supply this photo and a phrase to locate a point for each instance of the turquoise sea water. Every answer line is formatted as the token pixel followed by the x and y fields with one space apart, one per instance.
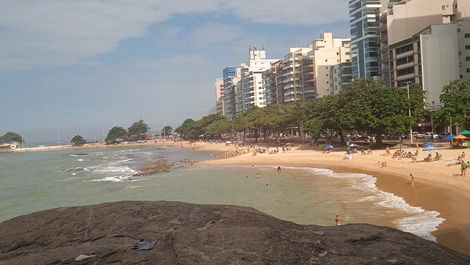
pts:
pixel 31 182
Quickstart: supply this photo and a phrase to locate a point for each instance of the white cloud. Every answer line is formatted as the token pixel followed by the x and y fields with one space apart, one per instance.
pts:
pixel 42 33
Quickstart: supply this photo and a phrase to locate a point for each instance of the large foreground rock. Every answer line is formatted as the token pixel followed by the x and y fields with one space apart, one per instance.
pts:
pixel 203 234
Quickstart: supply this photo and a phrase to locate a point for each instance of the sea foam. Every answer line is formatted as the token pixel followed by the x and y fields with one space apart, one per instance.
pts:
pixel 420 222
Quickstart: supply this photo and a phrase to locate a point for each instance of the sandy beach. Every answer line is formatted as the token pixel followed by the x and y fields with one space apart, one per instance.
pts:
pixel 438 184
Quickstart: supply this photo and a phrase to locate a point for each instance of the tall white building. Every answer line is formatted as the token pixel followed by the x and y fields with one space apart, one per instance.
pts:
pixel 291 76
pixel 252 85
pixel 327 52
pixel 220 96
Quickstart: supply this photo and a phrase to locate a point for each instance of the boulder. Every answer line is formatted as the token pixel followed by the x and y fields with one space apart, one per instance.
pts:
pixel 202 234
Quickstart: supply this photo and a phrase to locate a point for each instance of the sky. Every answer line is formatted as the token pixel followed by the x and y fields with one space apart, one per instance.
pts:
pixel 73 67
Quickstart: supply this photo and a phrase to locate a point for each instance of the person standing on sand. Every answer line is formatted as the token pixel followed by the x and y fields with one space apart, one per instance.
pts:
pixel 463 167
pixel 252 168
pixel 279 169
pixel 387 151
pixel 412 179
pixel 338 220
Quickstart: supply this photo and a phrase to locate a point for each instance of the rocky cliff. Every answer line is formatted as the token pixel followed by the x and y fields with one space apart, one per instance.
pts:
pixel 202 234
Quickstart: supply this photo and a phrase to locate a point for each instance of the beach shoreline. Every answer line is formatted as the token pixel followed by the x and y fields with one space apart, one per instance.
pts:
pixel 183 144
pixel 433 189
pixel 437 186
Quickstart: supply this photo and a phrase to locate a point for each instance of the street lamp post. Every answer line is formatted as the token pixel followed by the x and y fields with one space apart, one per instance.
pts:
pixel 409 111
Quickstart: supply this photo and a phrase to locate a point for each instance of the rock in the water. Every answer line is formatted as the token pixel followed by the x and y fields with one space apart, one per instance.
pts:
pixel 203 234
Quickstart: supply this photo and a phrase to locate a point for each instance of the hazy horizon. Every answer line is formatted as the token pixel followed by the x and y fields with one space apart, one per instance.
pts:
pixel 84 67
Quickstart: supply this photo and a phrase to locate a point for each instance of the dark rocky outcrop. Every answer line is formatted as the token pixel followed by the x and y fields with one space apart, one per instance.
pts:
pixel 203 234
pixel 154 167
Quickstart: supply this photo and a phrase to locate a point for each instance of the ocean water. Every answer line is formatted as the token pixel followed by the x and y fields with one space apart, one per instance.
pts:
pixel 31 182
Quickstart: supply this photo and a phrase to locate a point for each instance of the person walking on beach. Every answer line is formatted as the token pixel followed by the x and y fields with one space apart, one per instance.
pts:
pixel 412 179
pixel 463 167
pixel 279 169
pixel 387 151
pixel 252 168
pixel 338 220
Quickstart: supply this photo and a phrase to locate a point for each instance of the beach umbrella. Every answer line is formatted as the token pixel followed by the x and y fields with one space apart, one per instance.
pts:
pixel 466 132
pixel 430 148
pixel 448 137
pixel 460 137
pixel 329 146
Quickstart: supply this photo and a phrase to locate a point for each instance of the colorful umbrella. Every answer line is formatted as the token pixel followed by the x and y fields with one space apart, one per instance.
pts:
pixel 460 137
pixel 329 146
pixel 448 137
pixel 466 132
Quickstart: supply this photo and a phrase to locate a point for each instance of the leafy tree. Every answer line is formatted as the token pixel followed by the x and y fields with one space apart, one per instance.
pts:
pixel 220 127
pixel 78 140
pixel 167 130
pixel 298 115
pixel 139 127
pixel 185 129
pixel 314 126
pixel 369 106
pixel 116 134
pixel 199 128
pixel 11 137
pixel 456 104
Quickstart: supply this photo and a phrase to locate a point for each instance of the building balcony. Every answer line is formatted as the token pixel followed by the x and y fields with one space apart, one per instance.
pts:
pixel 405 77
pixel 405 54
pixel 406 65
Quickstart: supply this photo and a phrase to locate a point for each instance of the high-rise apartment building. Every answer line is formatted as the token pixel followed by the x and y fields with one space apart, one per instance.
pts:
pixel 252 84
pixel 219 95
pixel 291 75
pixel 231 77
pixel 426 44
pixel 365 39
pixel 341 77
pixel 306 73
pixel 326 53
pixel 273 83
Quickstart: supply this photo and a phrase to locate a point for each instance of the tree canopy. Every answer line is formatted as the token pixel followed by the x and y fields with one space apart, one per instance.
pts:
pixel 167 130
pixel 78 140
pixel 139 127
pixel 11 137
pixel 116 134
pixel 366 106
pixel 456 104
pixel 185 129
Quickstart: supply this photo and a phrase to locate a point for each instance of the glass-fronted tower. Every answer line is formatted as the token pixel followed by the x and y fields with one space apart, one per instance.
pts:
pixel 365 38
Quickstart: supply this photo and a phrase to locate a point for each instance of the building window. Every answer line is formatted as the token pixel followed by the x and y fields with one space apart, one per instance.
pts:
pixel 467 47
pixel 467 35
pixel 467 58
pixel 468 70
